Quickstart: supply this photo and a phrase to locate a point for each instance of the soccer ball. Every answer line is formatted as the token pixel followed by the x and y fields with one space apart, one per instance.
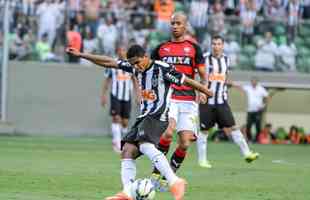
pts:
pixel 143 189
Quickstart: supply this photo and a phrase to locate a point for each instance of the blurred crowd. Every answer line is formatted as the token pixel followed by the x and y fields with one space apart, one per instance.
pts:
pixel 270 135
pixel 260 34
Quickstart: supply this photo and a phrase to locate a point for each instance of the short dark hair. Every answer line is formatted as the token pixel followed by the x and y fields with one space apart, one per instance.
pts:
pixel 135 51
pixel 217 37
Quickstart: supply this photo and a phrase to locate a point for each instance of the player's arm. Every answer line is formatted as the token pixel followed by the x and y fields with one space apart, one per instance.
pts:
pixel 136 89
pixel 101 60
pixel 105 87
pixel 180 79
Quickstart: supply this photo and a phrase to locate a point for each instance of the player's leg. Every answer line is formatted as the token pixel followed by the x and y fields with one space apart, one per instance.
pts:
pixel 149 133
pixel 258 123
pixel 125 115
pixel 227 122
pixel 128 171
pixel 206 120
pixel 249 122
pixel 187 127
pixel 166 137
pixel 116 127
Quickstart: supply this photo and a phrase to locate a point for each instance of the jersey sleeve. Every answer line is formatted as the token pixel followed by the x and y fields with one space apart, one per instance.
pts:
pixel 199 59
pixel 172 76
pixel 125 66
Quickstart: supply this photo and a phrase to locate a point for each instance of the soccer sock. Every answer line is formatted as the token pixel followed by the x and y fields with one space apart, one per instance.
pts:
pixel 116 135
pixel 177 159
pixel 202 147
pixel 128 174
pixel 163 146
pixel 159 160
pixel 239 139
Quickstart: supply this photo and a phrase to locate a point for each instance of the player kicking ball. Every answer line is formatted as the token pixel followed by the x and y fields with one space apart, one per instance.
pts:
pixel 154 78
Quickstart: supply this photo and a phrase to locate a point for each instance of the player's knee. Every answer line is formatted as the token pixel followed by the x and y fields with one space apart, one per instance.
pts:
pixel 116 119
pixel 124 123
pixel 129 151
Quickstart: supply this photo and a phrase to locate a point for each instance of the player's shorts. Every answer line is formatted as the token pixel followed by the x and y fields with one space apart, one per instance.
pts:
pixel 215 114
pixel 146 129
pixel 119 107
pixel 185 113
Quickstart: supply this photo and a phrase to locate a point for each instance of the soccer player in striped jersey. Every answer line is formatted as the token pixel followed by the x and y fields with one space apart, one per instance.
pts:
pixel 121 85
pixel 155 78
pixel 187 57
pixel 217 110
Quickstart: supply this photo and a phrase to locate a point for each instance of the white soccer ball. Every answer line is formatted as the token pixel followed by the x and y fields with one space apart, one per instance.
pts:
pixel 143 189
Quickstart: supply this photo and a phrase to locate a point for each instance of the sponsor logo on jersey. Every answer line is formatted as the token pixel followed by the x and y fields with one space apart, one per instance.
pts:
pixel 179 60
pixel 148 95
pixel 217 77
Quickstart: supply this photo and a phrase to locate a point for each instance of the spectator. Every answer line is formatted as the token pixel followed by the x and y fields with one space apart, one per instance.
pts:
pixel 198 17
pixel 247 17
pixel 265 136
pixel 287 56
pixel 107 35
pixel 266 54
pixel 257 98
pixel 164 10
pixel 19 45
pixel 44 50
pixel 74 40
pixel 217 19
pixel 232 50
pixel 90 45
pixel 48 17
pixel 294 136
pixel 293 13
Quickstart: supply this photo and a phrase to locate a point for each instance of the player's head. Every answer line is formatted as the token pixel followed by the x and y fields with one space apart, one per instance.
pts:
pixel 254 81
pixel 136 56
pixel 178 24
pixel 217 44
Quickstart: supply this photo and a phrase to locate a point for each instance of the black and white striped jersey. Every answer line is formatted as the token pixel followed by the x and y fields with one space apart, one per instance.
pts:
pixel 155 87
pixel 121 87
pixel 217 70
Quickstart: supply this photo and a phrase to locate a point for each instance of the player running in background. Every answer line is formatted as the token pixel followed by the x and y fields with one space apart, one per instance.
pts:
pixel 187 58
pixel 120 84
pixel 154 78
pixel 217 110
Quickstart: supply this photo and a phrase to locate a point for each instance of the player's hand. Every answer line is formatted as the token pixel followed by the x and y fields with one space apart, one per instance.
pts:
pixel 202 98
pixel 73 51
pixel 103 100
pixel 208 92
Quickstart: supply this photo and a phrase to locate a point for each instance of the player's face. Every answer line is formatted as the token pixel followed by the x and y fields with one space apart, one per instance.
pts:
pixel 178 26
pixel 139 63
pixel 217 47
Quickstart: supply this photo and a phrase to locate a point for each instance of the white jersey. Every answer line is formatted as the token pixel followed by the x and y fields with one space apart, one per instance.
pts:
pixel 217 70
pixel 122 86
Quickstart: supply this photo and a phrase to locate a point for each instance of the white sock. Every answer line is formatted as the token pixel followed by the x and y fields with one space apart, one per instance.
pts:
pixel 202 147
pixel 159 160
pixel 128 174
pixel 239 139
pixel 116 135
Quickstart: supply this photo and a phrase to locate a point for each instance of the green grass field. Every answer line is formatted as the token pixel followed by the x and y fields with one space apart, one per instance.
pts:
pixel 85 168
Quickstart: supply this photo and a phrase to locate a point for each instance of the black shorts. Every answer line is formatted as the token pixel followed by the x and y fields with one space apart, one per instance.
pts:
pixel 212 114
pixel 147 129
pixel 119 107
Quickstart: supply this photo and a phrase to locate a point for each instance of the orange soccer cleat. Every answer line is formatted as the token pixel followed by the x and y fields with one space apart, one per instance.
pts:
pixel 178 189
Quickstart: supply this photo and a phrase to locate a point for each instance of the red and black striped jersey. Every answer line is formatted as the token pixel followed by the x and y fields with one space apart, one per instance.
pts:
pixel 186 56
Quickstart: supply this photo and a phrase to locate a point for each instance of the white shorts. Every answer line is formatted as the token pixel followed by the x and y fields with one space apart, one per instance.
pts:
pixel 185 113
